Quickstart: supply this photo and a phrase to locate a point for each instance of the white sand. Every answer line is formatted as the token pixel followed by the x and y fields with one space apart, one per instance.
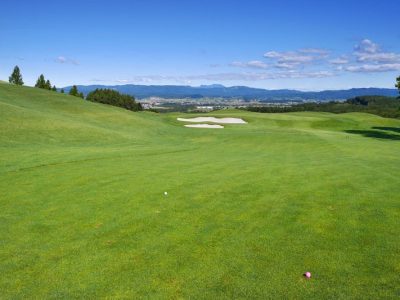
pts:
pixel 214 120
pixel 205 126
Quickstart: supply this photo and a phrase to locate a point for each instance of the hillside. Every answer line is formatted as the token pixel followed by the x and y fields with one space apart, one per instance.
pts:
pixel 249 208
pixel 242 92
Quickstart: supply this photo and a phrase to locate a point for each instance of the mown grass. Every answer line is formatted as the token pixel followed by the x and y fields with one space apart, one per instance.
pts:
pixel 249 207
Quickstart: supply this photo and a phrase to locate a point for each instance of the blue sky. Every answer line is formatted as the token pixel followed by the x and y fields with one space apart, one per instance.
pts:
pixel 307 45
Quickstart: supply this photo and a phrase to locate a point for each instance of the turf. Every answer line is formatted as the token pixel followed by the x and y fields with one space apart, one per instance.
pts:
pixel 249 209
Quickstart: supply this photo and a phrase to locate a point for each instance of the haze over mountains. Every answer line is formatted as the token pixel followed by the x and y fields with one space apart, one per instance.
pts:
pixel 242 92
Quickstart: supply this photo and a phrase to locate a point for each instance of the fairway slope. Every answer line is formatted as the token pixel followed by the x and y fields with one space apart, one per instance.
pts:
pixel 101 202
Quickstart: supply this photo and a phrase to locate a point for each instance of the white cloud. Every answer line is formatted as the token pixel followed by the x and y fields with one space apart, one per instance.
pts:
pixel 339 61
pixel 238 64
pixel 285 66
pixel 370 68
pixel 368 51
pixel 65 60
pixel 289 57
pixel 257 64
pixel 318 51
pixel 368 57
pixel 250 64
pixel 61 59
pixel 366 46
pixel 299 58
pixel 245 76
pixel 382 57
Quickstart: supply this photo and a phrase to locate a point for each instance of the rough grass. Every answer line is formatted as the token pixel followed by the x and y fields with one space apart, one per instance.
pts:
pixel 249 207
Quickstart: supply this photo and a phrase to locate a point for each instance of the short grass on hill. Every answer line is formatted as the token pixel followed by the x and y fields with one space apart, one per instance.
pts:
pixel 249 209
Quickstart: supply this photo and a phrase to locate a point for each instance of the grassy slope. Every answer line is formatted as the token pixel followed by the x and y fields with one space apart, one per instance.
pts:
pixel 250 208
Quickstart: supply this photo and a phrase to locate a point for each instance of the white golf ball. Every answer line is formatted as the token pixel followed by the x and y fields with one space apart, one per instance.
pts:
pixel 165 193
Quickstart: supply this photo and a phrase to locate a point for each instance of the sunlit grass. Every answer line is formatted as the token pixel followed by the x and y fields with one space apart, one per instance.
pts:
pixel 249 209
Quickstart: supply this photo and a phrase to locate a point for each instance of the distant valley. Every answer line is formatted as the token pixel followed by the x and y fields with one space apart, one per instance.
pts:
pixel 236 92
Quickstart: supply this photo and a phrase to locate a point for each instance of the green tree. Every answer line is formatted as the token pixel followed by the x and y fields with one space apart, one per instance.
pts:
pixel 41 82
pixel 54 89
pixel 16 77
pixel 398 83
pixel 62 91
pixel 48 85
pixel 81 95
pixel 74 91
pixel 112 97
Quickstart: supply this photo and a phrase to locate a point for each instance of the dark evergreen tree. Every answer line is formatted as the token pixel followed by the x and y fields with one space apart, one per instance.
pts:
pixel 398 83
pixel 48 85
pixel 74 91
pixel 81 95
pixel 41 82
pixel 54 89
pixel 16 77
pixel 62 91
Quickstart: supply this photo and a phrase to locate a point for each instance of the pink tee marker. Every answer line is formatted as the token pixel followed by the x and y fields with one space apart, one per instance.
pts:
pixel 307 275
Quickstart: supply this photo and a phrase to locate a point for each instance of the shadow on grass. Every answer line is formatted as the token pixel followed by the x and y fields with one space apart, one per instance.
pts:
pixel 375 134
pixel 394 129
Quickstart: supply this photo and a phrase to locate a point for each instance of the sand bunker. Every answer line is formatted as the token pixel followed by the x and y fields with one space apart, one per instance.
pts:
pixel 214 120
pixel 204 126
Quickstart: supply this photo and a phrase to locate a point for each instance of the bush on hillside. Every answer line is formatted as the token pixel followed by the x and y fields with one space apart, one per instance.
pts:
pixel 111 97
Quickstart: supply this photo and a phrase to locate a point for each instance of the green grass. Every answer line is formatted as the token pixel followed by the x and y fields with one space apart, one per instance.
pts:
pixel 249 207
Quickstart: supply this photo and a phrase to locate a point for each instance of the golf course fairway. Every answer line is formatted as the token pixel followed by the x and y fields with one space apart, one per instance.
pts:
pixel 248 210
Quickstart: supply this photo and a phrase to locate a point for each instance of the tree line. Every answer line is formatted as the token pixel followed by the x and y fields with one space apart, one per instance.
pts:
pixel 388 107
pixel 41 83
pixel 105 96
pixel 112 97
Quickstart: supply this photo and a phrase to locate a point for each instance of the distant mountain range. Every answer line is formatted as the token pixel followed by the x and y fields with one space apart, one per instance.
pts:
pixel 235 92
